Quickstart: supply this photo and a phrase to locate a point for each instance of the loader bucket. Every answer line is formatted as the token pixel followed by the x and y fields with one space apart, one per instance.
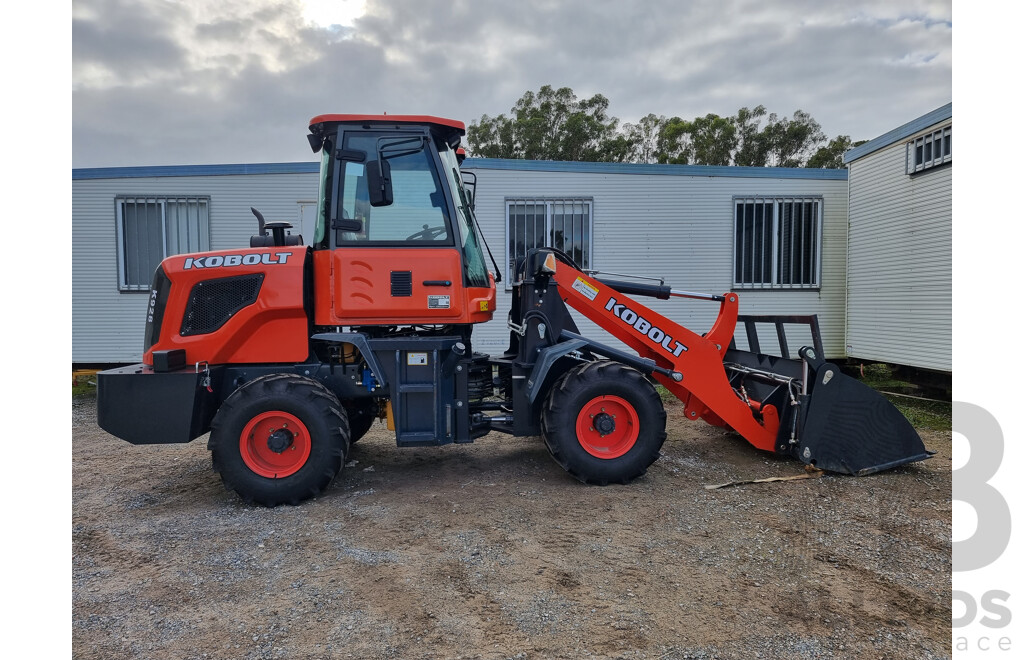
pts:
pixel 845 426
pixel 840 424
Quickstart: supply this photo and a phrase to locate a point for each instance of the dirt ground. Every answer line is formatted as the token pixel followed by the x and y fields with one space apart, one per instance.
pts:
pixel 490 550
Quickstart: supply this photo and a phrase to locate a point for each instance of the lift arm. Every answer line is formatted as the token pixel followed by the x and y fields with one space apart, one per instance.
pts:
pixel 704 386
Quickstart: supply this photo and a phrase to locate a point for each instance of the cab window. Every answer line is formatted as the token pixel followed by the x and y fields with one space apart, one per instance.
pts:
pixel 419 212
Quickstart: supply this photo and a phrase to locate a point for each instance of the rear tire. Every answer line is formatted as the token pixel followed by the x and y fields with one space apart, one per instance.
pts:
pixel 279 439
pixel 361 415
pixel 604 423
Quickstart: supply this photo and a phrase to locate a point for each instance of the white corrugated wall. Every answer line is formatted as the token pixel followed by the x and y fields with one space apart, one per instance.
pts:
pixel 900 261
pixel 676 227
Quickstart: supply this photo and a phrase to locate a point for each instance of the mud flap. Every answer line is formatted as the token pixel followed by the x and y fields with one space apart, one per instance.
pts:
pixel 845 426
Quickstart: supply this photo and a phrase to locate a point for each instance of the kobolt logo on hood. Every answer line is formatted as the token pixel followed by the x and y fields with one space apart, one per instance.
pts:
pixel 218 261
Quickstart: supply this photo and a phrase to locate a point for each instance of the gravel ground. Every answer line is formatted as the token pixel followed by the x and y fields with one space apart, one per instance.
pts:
pixel 490 550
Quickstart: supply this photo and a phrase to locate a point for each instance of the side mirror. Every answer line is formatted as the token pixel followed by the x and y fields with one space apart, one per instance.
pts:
pixel 378 179
pixel 469 185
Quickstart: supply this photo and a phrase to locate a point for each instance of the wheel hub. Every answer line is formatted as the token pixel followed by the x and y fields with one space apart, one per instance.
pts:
pixel 280 440
pixel 604 423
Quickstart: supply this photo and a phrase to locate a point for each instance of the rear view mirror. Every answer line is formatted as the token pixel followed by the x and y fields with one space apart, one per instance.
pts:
pixel 378 178
pixel 469 185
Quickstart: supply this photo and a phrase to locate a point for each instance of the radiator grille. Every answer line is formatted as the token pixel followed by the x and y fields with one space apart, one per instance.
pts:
pixel 213 302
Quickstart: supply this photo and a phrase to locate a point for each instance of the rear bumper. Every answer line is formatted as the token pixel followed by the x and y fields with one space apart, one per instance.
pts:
pixel 145 407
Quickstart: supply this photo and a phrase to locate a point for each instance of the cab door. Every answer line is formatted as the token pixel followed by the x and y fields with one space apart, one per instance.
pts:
pixel 396 263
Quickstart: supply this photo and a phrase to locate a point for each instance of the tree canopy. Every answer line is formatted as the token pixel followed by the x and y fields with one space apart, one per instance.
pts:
pixel 553 124
pixel 550 125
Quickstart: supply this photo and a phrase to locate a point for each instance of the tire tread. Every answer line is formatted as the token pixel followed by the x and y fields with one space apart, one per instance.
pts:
pixel 321 403
pixel 558 419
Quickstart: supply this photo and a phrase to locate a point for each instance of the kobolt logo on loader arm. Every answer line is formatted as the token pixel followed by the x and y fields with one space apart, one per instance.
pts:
pixel 644 327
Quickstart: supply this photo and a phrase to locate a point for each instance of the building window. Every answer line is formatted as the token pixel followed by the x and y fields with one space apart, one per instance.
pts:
pixel 152 228
pixel 930 150
pixel 777 243
pixel 565 224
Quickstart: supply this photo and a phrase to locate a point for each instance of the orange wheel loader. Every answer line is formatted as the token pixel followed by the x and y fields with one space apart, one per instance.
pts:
pixel 286 352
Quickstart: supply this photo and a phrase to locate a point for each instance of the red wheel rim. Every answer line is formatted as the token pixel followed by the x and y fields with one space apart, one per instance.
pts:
pixel 272 430
pixel 607 426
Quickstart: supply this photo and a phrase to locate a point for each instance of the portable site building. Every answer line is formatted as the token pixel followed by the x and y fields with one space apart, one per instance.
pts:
pixel 778 236
pixel 899 308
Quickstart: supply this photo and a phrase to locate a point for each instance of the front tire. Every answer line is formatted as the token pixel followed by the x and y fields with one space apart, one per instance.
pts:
pixel 279 439
pixel 604 423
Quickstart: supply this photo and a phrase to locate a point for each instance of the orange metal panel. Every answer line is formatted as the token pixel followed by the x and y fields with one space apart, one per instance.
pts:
pixel 354 288
pixel 273 329
pixel 392 119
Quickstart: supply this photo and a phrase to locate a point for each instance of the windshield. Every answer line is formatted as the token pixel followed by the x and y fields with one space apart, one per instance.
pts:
pixel 473 256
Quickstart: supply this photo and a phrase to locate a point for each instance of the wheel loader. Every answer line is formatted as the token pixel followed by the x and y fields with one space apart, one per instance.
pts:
pixel 287 351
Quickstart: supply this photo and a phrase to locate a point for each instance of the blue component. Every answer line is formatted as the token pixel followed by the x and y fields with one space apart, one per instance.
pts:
pixel 369 382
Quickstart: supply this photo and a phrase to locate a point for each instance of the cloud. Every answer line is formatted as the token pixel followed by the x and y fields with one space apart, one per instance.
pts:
pixel 121 45
pixel 159 82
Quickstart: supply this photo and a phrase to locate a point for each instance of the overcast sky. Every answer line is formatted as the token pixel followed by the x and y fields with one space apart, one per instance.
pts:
pixel 157 82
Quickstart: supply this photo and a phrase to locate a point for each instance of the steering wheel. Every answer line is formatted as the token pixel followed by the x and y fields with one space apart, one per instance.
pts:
pixel 428 233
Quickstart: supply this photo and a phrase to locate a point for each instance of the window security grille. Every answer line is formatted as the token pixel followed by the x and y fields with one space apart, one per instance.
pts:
pixel 562 223
pixel 930 150
pixel 150 228
pixel 777 243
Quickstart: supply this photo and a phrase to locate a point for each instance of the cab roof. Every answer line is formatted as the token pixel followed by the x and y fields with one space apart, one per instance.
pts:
pixel 439 122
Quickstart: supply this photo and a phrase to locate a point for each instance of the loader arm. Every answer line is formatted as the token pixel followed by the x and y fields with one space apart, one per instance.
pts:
pixel 704 387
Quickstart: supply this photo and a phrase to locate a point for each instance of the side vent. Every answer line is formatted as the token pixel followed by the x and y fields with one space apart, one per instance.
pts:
pixel 213 302
pixel 401 283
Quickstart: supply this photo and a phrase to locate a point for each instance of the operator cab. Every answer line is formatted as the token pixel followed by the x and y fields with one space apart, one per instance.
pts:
pixel 395 235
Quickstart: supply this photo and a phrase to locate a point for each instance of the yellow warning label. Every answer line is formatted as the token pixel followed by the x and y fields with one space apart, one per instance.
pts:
pixel 586 288
pixel 483 305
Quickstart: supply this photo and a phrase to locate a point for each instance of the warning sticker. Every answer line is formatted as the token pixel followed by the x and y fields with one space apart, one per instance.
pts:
pixel 439 302
pixel 585 288
pixel 416 359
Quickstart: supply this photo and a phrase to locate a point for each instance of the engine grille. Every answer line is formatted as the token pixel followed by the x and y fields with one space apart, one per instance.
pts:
pixel 213 302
